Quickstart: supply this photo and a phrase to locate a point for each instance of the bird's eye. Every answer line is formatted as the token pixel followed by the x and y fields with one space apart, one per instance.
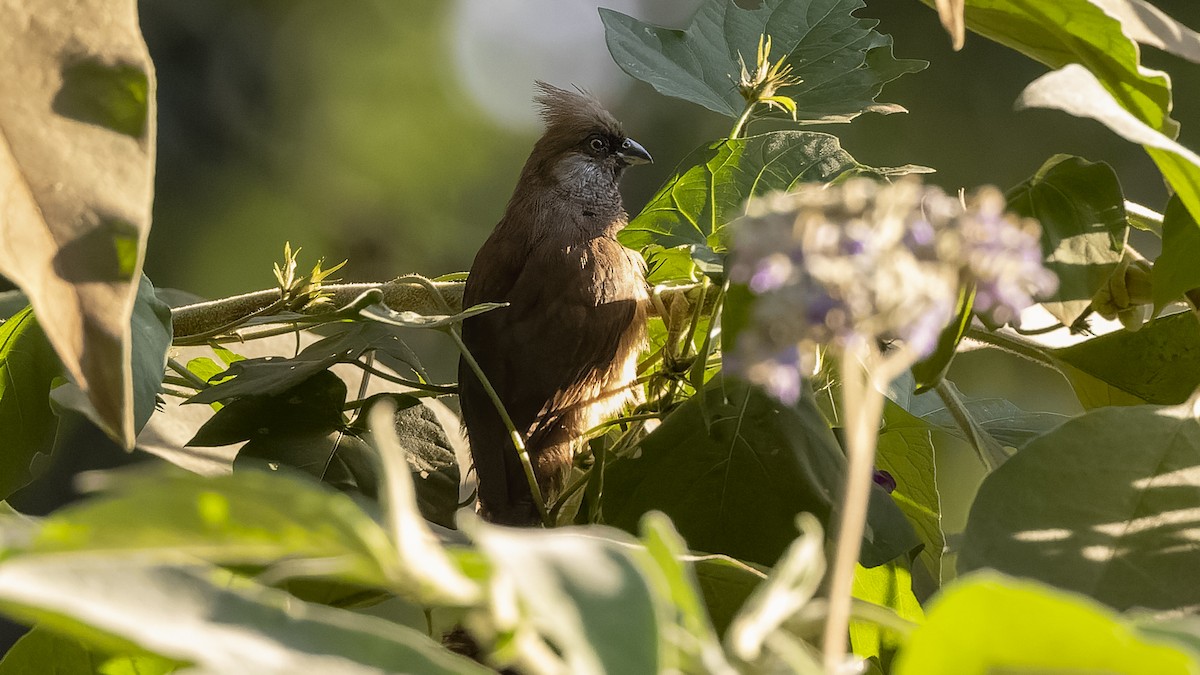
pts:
pixel 596 143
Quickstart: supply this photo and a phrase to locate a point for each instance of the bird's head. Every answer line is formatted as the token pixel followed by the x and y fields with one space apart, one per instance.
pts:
pixel 584 147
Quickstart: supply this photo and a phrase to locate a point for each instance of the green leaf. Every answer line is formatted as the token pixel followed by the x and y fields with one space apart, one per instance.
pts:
pixel 842 62
pixel 313 406
pixel 726 583
pixel 385 315
pixel 248 518
pixel 1082 211
pixel 272 375
pixel 736 485
pixel 44 651
pixel 150 333
pixel 28 365
pixel 221 623
pixel 711 186
pixel 1088 98
pixel 1157 364
pixel 669 553
pixel 905 450
pixel 989 623
pixel 77 139
pixel 931 370
pixel 1062 32
pixel 1000 418
pixel 430 455
pixel 583 590
pixel 1101 505
pixel 1176 271
pixel 889 586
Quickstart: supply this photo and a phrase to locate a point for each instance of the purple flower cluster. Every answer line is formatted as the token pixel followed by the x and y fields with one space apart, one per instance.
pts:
pixel 872 261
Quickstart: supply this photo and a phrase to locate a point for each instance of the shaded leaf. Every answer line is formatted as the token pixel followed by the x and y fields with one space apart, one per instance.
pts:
pixel 711 185
pixel 314 405
pixel 905 450
pixel 726 583
pixel 992 623
pixel 76 212
pixel 219 622
pixel 429 452
pixel 1158 364
pixel 28 366
pixel 1075 90
pixel 1082 211
pixel 1104 505
pixel 734 486
pixel 1177 269
pixel 271 375
pixel 841 61
pixel 1000 418
pixel 386 315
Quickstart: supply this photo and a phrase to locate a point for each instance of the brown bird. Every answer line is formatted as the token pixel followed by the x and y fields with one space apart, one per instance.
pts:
pixel 563 354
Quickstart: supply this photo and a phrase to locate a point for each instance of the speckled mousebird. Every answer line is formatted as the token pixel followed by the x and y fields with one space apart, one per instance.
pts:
pixel 563 354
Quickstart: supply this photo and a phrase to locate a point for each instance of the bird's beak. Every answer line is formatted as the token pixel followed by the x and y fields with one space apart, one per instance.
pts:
pixel 632 152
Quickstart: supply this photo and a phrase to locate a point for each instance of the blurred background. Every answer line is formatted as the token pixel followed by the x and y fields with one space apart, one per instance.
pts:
pixel 390 133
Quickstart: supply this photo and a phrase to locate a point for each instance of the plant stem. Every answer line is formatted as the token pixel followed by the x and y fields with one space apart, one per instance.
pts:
pixel 517 441
pixel 423 386
pixel 740 125
pixel 1014 344
pixel 192 378
pixel 962 417
pixel 863 404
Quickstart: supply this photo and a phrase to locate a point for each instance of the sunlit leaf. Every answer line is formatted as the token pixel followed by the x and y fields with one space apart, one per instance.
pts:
pixel 1103 505
pixel 77 140
pixel 221 623
pixel 1082 211
pixel 1177 270
pixel 28 366
pixel 711 186
pixel 989 623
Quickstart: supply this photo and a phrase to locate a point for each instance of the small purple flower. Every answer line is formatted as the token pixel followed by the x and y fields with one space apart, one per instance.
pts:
pixel 884 480
pixel 869 261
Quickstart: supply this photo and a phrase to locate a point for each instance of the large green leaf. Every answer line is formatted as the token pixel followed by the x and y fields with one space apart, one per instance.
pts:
pixel 989 623
pixel 28 365
pixel 1177 270
pixel 905 451
pixel 1076 90
pixel 734 485
pixel 1104 505
pixel 889 586
pixel 843 62
pixel 1062 32
pixel 77 142
pixel 582 589
pixel 249 518
pixel 1158 364
pixel 712 185
pixel 44 651
pixel 209 617
pixel 1082 211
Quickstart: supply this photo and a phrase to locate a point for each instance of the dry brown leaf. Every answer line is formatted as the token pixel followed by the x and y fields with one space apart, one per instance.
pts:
pixel 77 141
pixel 950 12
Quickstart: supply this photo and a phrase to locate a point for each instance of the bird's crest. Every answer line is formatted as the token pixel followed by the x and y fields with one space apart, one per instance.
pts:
pixel 574 111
